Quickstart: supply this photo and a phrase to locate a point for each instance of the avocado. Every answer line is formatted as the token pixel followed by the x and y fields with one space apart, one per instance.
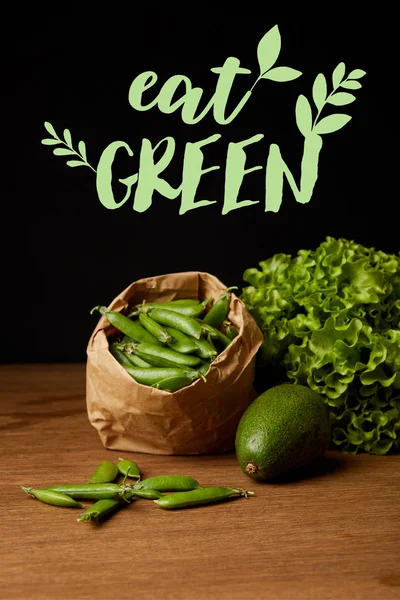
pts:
pixel 285 428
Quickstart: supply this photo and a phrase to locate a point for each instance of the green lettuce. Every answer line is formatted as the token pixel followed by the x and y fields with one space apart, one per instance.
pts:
pixel 331 321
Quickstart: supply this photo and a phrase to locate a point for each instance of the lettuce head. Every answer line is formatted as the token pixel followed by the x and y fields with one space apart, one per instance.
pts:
pixel 331 321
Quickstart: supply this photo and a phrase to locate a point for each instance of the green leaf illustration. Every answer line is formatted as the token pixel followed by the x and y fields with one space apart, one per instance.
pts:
pixel 282 74
pixel 331 124
pixel 51 129
pixel 357 74
pixel 50 142
pixel 63 151
pixel 82 150
pixel 341 98
pixel 68 151
pixel 76 163
pixel 351 85
pixel 319 91
pixel 67 137
pixel 303 115
pixel 338 74
pixel 268 49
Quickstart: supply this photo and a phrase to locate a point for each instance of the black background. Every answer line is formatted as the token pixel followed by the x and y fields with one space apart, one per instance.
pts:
pixel 64 252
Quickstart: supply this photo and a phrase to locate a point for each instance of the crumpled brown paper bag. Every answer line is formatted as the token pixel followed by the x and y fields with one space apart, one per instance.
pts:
pixel 199 419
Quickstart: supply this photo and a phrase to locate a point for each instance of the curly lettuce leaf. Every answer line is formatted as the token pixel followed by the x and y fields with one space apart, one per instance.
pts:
pixel 331 320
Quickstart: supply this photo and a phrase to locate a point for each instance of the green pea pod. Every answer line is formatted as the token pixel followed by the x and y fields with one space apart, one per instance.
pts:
pixel 159 332
pixel 52 497
pixel 203 369
pixel 181 342
pixel 106 472
pixel 147 494
pixel 205 349
pixel 152 375
pixel 101 510
pixel 197 497
pixel 120 356
pixel 162 357
pixel 188 310
pixel 132 329
pixel 128 468
pixel 231 331
pixel 219 311
pixel 90 491
pixel 215 334
pixel 167 483
pixel 183 323
pixel 137 361
pixel 173 384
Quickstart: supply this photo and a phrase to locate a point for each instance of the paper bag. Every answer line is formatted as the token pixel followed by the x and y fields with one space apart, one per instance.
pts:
pixel 201 418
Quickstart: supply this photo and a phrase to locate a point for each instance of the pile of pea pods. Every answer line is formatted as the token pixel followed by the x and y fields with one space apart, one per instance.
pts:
pixel 166 491
pixel 168 345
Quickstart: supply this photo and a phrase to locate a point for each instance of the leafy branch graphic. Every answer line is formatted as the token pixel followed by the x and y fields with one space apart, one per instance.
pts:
pixel 268 51
pixel 69 150
pixel 304 116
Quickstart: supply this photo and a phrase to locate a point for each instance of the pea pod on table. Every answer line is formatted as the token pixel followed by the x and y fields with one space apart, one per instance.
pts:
pixel 146 494
pixel 168 483
pixel 101 510
pixel 197 497
pixel 53 497
pixel 105 472
pixel 128 468
pixel 91 491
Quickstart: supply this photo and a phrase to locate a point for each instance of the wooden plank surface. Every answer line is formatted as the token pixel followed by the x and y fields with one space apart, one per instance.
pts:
pixel 334 534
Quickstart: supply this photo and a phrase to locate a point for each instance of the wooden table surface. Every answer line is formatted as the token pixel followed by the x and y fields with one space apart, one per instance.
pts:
pixel 334 534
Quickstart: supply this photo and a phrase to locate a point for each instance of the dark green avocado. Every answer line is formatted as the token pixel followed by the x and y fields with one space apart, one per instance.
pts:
pixel 285 428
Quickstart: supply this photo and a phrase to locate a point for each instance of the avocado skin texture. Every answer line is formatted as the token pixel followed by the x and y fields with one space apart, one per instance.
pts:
pixel 285 428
